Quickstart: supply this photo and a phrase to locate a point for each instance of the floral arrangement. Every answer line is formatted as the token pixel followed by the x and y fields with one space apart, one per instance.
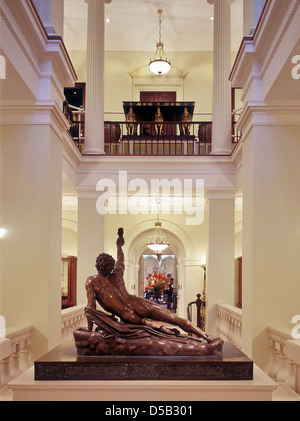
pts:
pixel 158 281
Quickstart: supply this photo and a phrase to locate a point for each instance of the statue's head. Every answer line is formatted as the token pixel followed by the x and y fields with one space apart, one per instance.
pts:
pixel 105 264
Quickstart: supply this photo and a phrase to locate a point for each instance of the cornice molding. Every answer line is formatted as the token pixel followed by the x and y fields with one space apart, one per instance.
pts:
pixel 37 114
pixel 258 113
pixel 280 37
pixel 24 49
pixel 261 48
pixel 21 20
pixel 192 263
pixel 219 193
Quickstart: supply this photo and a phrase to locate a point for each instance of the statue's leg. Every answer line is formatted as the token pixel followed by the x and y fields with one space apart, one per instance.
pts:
pixel 163 315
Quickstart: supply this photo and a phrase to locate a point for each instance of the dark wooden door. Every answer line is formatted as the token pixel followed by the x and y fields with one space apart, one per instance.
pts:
pixel 159 96
pixel 148 96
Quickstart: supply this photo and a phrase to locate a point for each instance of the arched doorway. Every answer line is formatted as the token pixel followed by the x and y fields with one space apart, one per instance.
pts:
pixel 165 264
pixel 180 246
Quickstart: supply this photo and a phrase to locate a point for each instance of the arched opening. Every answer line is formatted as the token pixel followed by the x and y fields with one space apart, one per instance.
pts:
pixel 165 264
pixel 140 258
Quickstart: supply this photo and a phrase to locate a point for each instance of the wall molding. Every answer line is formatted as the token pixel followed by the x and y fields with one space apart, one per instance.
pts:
pixel 258 113
pixel 37 114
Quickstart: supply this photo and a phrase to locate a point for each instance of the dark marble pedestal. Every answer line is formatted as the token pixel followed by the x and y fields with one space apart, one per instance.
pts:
pixel 63 363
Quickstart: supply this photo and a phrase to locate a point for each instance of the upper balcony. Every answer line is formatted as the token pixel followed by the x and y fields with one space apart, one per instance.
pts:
pixel 150 138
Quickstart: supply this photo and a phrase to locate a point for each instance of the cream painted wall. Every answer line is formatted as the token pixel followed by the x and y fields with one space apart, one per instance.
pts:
pixel 69 242
pixel 91 242
pixel 69 232
pixel 31 250
pixel 271 264
pixel 238 232
pixel 118 82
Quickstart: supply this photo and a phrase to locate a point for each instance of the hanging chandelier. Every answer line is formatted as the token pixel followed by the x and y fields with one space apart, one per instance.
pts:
pixel 160 64
pixel 158 241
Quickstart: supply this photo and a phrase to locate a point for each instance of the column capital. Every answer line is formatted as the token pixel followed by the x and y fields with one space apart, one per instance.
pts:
pixel 105 1
pixel 220 194
pixel 213 1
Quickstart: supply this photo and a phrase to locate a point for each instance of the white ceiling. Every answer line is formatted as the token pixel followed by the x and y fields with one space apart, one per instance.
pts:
pixel 133 25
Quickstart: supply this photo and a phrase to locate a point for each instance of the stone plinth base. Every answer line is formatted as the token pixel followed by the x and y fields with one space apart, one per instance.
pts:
pixel 63 363
pixel 25 388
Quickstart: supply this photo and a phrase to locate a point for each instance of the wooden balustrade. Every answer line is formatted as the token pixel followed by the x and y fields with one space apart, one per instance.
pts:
pixel 285 367
pixel 230 324
pixel 172 141
pixel 145 140
pixel 200 311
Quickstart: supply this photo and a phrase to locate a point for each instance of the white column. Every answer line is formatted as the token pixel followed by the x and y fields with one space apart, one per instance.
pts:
pixel 32 170
pixel 94 116
pixel 91 241
pixel 221 130
pixel 220 255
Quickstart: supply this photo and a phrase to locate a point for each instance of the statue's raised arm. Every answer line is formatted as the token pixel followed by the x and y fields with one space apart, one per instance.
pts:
pixel 120 267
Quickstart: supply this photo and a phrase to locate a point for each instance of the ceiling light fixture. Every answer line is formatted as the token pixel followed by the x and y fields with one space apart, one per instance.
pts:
pixel 160 64
pixel 158 241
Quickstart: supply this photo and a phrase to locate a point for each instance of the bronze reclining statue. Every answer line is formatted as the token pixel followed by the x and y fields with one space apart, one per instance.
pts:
pixel 133 334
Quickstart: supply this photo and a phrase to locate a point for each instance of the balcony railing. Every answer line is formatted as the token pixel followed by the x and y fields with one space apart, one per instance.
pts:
pixel 145 139
pixel 148 138
pixel 200 311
